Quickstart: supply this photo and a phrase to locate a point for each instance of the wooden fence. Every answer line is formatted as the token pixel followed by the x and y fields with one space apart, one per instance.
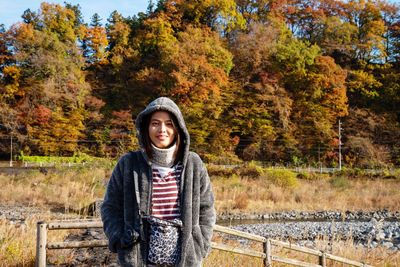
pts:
pixel 268 258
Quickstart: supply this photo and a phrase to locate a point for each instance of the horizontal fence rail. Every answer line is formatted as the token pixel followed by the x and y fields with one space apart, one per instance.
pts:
pixel 234 232
pixel 247 252
pixel 42 245
pixel 75 225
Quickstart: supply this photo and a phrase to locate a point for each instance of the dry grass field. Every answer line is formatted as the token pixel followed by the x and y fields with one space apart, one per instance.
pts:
pixel 346 249
pixel 258 190
pixel 70 190
pixel 237 194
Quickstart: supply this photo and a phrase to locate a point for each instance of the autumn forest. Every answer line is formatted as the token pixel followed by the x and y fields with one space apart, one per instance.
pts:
pixel 265 80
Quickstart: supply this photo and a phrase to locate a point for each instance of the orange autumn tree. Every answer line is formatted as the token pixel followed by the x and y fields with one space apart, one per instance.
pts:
pixel 182 57
pixel 264 80
pixel 51 79
pixel 260 112
pixel 94 42
pixel 122 131
pixel 317 86
pixel 290 96
pixel 197 67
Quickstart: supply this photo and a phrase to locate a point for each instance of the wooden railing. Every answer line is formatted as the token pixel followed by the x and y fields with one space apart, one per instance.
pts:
pixel 42 245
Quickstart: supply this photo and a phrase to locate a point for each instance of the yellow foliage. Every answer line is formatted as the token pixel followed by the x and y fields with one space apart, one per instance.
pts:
pixel 12 72
pixel 60 20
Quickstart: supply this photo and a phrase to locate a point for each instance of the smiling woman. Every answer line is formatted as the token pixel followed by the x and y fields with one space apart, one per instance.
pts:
pixel 162 131
pixel 162 186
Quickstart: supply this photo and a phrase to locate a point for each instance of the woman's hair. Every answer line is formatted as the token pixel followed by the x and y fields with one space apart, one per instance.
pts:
pixel 178 154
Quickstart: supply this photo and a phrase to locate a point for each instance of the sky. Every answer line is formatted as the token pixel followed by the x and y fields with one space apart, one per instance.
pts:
pixel 11 10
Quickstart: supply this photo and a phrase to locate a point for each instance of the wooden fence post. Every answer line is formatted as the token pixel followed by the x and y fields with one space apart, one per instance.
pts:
pixel 322 259
pixel 267 251
pixel 41 242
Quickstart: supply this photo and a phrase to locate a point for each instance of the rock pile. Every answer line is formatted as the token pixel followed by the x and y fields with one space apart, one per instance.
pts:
pixel 369 234
pixel 315 216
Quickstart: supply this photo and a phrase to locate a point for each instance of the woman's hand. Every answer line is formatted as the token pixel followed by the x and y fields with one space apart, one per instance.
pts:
pixel 129 238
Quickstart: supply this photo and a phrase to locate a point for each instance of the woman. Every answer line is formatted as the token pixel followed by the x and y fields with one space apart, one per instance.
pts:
pixel 164 180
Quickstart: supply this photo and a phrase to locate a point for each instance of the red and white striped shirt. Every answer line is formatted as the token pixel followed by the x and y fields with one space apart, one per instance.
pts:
pixel 165 194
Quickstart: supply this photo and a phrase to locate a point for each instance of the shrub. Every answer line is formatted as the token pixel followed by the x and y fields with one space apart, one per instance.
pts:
pixel 365 153
pixel 282 178
pixel 396 173
pixel 303 176
pixel 249 170
pixel 309 176
pixel 220 171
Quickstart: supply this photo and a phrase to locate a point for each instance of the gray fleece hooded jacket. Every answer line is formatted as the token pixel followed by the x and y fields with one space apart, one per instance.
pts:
pixel 127 234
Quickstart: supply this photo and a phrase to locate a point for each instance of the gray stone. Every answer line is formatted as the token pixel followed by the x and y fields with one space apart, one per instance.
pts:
pixel 374 244
pixel 380 236
pixel 387 244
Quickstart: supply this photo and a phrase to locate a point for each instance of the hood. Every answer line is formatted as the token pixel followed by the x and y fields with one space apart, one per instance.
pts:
pixel 164 104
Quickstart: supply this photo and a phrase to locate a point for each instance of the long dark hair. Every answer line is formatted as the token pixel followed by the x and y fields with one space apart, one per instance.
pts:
pixel 178 154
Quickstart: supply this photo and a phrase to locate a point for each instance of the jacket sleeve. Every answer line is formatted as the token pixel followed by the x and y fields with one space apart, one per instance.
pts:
pixel 207 215
pixel 112 208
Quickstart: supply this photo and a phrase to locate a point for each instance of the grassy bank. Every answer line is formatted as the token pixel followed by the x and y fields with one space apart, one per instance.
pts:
pixel 249 189
pixel 257 190
pixel 64 188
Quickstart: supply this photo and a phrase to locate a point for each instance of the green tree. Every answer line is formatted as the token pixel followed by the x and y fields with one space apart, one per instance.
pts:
pixel 317 86
pixel 30 17
pixel 6 57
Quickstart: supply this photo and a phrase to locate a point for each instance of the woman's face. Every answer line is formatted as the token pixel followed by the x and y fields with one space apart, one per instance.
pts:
pixel 161 129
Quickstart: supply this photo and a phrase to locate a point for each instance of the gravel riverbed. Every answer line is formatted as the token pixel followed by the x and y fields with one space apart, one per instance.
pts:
pixel 369 234
pixel 314 216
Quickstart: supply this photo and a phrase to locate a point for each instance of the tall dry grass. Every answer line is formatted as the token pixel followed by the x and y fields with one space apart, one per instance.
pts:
pixel 18 243
pixel 342 248
pixel 73 189
pixel 235 194
pixel 65 190
pixel 69 189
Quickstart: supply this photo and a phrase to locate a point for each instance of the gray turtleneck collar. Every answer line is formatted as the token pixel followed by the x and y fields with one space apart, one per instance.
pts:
pixel 163 156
